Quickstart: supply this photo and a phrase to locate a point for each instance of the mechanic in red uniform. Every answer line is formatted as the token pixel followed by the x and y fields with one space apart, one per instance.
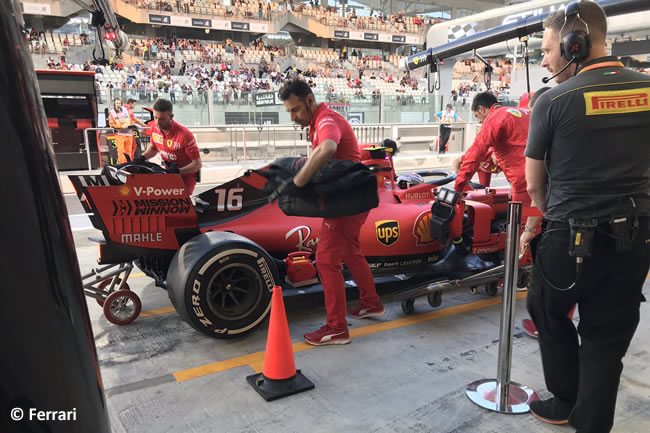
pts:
pixel 176 144
pixel 486 169
pixel 505 129
pixel 332 137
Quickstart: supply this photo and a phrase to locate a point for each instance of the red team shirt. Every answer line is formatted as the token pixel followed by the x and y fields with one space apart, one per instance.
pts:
pixel 506 130
pixel 177 145
pixel 327 124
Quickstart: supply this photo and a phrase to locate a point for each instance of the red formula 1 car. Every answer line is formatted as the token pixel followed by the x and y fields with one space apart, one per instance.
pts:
pixel 221 253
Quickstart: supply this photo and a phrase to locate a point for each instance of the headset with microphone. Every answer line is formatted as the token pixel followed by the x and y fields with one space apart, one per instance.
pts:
pixel 576 44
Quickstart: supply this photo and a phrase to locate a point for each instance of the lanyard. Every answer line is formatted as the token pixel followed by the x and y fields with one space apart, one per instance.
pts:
pixel 601 65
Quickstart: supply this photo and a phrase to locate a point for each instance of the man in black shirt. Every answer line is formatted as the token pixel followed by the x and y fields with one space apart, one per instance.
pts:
pixel 587 170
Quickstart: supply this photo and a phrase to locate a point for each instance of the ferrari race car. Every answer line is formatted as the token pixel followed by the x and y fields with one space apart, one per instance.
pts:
pixel 219 254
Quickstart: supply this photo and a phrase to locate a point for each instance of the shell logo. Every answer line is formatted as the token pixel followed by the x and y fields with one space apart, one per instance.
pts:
pixel 124 190
pixel 422 229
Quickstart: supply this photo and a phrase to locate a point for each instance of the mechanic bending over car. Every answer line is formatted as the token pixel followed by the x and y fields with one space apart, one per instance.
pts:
pixel 587 162
pixel 332 138
pixel 486 168
pixel 176 144
pixel 505 130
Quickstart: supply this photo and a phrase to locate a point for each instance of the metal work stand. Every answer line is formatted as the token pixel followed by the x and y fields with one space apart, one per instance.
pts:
pixel 502 395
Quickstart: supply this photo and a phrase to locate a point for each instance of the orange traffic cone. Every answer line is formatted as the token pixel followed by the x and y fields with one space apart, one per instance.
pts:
pixel 280 378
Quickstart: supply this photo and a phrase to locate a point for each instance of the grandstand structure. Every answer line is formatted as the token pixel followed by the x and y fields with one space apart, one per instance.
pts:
pixel 212 57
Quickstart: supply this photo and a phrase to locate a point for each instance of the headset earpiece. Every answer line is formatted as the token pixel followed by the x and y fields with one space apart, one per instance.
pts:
pixel 577 43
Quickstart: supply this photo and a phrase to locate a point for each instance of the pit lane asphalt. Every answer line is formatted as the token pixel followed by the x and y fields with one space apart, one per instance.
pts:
pixel 400 374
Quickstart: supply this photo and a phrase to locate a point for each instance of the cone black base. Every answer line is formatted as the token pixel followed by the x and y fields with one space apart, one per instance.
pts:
pixel 273 389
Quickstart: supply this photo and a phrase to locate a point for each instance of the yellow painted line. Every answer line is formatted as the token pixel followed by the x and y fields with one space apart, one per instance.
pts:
pixel 258 367
pixel 256 360
pixel 137 275
pixel 157 312
pixel 216 367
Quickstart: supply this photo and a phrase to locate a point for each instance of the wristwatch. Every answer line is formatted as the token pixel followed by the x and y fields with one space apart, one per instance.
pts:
pixel 529 230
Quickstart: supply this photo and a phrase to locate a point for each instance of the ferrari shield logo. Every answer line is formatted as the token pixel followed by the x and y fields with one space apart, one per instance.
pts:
pixel 387 232
pixel 170 143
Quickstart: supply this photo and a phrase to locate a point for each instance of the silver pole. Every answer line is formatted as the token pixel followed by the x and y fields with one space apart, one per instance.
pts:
pixel 504 364
pixel 502 395
pixel 90 167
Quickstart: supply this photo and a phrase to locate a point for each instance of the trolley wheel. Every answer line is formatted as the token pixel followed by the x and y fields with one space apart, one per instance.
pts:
pixel 107 283
pixel 435 298
pixel 492 288
pixel 122 307
pixel 473 289
pixel 408 306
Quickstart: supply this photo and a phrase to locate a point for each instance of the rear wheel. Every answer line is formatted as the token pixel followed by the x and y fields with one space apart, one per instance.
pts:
pixel 221 284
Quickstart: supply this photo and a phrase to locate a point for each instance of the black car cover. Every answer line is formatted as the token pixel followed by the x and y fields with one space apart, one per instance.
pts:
pixel 340 188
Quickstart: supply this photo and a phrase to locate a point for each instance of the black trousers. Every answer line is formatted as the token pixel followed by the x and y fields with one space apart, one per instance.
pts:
pixel 445 132
pixel 608 294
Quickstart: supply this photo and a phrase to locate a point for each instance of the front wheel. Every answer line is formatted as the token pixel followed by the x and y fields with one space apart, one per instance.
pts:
pixel 221 284
pixel 122 307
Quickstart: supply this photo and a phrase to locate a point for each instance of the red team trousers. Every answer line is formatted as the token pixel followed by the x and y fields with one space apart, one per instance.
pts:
pixel 339 242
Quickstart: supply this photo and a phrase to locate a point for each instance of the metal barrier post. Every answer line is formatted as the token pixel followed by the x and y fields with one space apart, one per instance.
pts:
pixel 502 395
pixel 87 144
pixel 244 139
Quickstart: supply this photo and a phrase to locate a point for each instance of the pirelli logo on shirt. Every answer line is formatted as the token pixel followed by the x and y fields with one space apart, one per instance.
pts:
pixel 617 101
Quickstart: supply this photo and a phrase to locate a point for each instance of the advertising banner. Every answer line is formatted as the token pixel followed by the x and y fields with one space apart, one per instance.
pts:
pixel 240 26
pixel 36 9
pixel 201 22
pixel 159 19
pixel 267 98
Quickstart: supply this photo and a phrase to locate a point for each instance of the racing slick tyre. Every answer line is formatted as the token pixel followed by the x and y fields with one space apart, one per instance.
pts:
pixel 107 283
pixel 122 307
pixel 221 284
pixel 408 306
pixel 435 298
